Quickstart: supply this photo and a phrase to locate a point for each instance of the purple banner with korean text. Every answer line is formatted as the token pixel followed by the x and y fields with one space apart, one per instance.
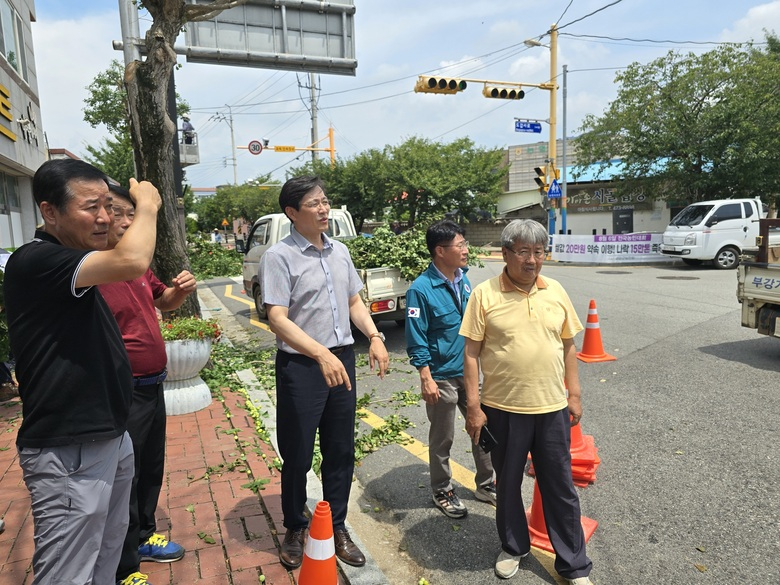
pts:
pixel 609 249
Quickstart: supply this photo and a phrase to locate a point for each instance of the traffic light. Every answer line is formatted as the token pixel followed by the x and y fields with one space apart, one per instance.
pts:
pixel 503 93
pixel 541 178
pixel 449 85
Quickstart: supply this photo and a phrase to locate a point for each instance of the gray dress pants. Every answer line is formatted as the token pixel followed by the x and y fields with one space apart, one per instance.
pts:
pixel 80 503
pixel 452 397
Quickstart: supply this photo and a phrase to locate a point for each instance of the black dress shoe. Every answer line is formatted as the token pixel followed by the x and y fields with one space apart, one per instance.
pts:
pixel 291 554
pixel 347 550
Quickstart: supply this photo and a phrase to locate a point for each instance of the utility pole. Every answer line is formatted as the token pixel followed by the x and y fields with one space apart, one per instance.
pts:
pixel 313 100
pixel 233 146
pixel 229 120
pixel 563 161
pixel 552 151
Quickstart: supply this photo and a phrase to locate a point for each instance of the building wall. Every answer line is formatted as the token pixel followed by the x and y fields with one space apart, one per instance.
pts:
pixel 591 205
pixel 485 233
pixel 22 148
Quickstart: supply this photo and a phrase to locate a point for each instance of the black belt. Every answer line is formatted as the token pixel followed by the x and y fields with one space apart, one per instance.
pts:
pixel 338 350
pixel 150 380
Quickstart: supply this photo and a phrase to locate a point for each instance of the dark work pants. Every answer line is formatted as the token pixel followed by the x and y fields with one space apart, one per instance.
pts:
pixel 305 404
pixel 146 426
pixel 547 437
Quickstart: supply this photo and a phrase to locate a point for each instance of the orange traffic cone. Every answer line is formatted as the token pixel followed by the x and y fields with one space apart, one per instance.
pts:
pixel 537 529
pixel 592 347
pixel 319 554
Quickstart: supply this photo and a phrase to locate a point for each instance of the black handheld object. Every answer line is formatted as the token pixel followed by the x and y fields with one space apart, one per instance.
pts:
pixel 486 439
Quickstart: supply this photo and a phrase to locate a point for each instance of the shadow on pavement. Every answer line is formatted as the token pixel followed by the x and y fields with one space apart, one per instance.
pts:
pixel 761 353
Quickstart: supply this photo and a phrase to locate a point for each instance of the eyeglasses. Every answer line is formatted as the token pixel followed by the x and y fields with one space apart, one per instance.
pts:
pixel 526 254
pixel 461 245
pixel 315 203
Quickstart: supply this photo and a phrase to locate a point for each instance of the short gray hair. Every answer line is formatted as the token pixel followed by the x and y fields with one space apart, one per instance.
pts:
pixel 524 231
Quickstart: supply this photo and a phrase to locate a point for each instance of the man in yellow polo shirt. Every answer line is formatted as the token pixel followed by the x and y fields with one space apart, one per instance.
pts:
pixel 520 328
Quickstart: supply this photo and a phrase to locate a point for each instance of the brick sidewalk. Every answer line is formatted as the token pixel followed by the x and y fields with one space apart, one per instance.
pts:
pixel 210 455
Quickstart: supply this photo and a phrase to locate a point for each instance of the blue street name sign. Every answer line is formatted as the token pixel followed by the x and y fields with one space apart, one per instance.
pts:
pixel 554 192
pixel 521 126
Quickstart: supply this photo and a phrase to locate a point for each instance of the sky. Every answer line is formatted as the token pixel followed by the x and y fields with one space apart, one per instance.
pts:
pixel 395 42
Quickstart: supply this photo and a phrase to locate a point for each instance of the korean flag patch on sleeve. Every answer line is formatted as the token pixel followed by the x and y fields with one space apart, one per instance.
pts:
pixel 413 313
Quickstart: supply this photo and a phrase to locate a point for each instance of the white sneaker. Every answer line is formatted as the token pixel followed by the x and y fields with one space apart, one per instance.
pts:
pixel 580 581
pixel 487 493
pixel 507 565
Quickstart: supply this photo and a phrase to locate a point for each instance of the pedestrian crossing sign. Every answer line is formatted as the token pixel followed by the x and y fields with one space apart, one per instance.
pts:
pixel 554 192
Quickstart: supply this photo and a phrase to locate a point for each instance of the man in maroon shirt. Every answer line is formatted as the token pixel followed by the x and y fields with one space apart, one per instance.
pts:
pixel 134 304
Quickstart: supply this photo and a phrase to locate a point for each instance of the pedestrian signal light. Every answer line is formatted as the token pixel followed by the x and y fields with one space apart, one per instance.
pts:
pixel 541 177
pixel 427 84
pixel 503 93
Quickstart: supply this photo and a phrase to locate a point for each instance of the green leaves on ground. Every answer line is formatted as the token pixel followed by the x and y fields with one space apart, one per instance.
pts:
pixel 392 431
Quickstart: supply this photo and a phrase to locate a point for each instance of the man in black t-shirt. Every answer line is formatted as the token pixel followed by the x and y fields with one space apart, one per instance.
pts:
pixel 74 377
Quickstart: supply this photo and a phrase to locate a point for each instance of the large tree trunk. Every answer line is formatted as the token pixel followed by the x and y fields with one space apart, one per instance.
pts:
pixel 152 132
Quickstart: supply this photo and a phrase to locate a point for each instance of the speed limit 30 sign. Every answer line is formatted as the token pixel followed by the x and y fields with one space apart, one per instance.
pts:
pixel 255 147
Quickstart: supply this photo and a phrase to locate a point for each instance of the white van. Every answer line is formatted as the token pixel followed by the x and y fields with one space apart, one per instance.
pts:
pixel 713 230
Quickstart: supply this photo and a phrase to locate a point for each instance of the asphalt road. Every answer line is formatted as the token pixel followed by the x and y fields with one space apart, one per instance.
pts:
pixel 686 426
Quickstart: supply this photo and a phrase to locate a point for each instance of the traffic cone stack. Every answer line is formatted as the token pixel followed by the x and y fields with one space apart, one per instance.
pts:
pixel 537 529
pixel 584 458
pixel 592 346
pixel 319 554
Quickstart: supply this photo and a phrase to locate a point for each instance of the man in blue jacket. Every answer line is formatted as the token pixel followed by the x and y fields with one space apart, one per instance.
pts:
pixel 435 305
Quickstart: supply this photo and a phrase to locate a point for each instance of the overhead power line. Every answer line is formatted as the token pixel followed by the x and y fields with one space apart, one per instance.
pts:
pixel 565 10
pixel 589 14
pixel 658 41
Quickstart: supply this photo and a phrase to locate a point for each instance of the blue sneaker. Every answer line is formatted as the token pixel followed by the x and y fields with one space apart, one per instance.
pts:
pixel 160 550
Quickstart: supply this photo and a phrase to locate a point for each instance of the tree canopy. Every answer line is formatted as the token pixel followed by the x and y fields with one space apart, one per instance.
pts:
pixel 693 127
pixel 106 104
pixel 248 201
pixel 415 180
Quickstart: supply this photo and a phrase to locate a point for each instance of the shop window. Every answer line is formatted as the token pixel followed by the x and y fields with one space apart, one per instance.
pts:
pixel 12 38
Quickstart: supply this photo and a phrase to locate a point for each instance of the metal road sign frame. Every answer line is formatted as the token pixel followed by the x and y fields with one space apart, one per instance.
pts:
pixel 295 35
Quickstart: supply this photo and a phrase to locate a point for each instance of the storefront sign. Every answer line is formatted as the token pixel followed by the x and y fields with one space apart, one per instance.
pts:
pixel 604 199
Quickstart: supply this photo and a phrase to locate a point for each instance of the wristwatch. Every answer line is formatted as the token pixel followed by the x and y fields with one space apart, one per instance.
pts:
pixel 378 334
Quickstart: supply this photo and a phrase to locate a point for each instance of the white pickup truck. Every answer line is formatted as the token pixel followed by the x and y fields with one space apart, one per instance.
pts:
pixel 384 289
pixel 716 231
pixel 758 281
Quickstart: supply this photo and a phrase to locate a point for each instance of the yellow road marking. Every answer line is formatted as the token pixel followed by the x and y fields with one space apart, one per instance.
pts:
pixel 460 474
pixel 252 313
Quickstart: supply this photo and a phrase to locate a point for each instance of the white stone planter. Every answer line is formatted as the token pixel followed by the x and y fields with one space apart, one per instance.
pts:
pixel 185 391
